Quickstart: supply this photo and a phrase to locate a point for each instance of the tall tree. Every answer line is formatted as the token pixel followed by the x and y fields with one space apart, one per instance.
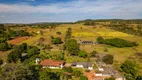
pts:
pixel 72 47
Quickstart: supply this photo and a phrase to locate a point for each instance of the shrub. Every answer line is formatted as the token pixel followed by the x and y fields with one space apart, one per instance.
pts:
pixel 93 54
pixel 59 33
pixel 83 78
pixel 82 54
pixel 77 73
pixel 108 59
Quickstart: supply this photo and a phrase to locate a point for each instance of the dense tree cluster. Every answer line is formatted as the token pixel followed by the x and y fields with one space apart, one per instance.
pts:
pixel 72 47
pixel 130 69
pixel 16 53
pixel 4 46
pixel 117 42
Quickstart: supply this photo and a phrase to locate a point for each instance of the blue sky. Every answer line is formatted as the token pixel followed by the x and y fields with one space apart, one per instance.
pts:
pixel 30 11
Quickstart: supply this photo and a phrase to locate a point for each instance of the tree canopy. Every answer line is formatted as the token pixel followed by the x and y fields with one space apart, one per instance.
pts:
pixel 72 47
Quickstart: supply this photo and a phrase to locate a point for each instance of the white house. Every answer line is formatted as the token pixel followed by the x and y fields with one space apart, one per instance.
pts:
pixel 52 64
pixel 87 65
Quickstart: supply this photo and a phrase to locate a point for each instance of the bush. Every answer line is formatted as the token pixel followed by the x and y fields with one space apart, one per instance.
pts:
pixel 77 73
pixel 111 78
pixel 83 78
pixel 57 41
pixel 82 54
pixel 100 40
pixel 93 54
pixel 4 46
pixel 68 69
pixel 108 59
pixel 59 33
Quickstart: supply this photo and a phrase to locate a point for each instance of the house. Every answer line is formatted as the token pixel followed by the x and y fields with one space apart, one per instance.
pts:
pixel 87 42
pixel 107 71
pixel 87 65
pixel 52 63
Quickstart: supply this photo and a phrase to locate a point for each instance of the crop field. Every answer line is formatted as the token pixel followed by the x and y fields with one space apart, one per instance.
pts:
pixel 113 34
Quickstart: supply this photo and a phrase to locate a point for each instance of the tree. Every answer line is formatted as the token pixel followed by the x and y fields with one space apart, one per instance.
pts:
pixel 23 47
pixel 44 74
pixel 72 47
pixel 100 40
pixel 108 59
pixel 17 72
pixel 93 54
pixel 4 46
pixel 1 61
pixel 68 34
pixel 130 68
pixel 57 40
pixel 77 73
pixel 14 56
pixel 82 54
pixel 139 78
pixel 83 78
pixel 33 50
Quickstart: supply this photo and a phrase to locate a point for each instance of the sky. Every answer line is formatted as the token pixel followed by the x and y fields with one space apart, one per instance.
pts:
pixel 31 11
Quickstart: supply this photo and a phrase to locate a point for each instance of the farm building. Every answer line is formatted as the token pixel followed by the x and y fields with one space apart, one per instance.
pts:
pixel 107 71
pixel 87 65
pixel 87 42
pixel 52 64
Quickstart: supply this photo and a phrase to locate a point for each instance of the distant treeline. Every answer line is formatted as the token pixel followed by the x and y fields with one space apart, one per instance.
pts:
pixel 38 25
pixel 129 21
pixel 126 29
pixel 133 27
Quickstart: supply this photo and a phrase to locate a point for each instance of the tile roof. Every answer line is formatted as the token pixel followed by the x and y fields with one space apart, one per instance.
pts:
pixel 48 62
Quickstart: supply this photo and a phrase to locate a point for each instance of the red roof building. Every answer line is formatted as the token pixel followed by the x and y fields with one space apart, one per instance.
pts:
pixel 52 63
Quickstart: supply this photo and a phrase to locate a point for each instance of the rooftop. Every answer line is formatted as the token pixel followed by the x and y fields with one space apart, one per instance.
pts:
pixel 48 62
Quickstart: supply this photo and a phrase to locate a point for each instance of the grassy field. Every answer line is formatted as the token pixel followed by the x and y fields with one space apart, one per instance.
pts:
pixel 81 32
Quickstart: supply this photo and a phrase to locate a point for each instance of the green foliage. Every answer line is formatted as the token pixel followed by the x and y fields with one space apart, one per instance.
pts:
pixel 111 78
pixel 139 78
pixel 82 54
pixel 117 42
pixel 77 73
pixel 46 74
pixel 130 68
pixel 68 34
pixel 108 59
pixel 32 51
pixel 14 56
pixel 1 61
pixel 100 40
pixel 17 72
pixel 13 33
pixel 4 46
pixel 57 40
pixel 93 54
pixel 72 47
pixel 67 69
pixel 83 78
